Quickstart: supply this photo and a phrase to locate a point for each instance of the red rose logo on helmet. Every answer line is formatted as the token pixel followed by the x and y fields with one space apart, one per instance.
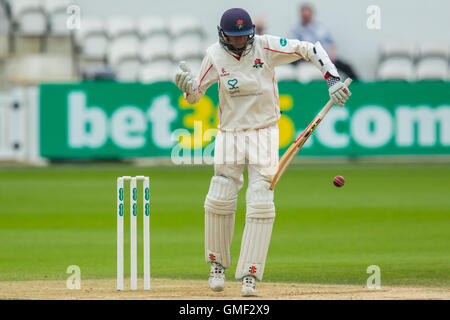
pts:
pixel 258 64
pixel 239 24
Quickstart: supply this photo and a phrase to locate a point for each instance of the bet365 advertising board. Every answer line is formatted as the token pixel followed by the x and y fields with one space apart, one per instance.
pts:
pixel 109 120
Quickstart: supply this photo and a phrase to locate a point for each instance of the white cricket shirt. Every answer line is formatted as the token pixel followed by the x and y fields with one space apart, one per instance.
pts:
pixel 248 90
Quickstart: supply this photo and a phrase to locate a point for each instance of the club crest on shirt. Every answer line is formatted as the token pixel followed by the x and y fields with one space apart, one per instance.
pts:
pixel 283 42
pixel 224 73
pixel 258 64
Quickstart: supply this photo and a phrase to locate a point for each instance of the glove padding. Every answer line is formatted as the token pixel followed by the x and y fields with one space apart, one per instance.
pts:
pixel 184 79
pixel 339 93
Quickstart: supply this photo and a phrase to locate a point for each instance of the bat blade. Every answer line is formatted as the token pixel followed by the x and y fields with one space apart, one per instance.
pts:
pixel 295 147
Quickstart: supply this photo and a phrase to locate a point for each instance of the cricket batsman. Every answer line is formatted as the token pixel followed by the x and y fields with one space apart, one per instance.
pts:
pixel 244 66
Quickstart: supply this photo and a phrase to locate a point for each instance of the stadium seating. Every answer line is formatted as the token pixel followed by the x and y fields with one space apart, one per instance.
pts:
pixel 136 48
pixel 155 38
pixel 433 61
pixel 432 68
pixel 397 48
pixel 124 59
pixel 307 72
pixel 123 48
pixel 286 72
pixel 434 49
pixel 92 38
pixel 59 38
pixel 188 46
pixel 155 46
pixel 404 61
pixel 396 69
pixel 122 31
pixel 193 63
pixel 181 25
pixel 151 25
pixel 29 17
pixel 148 48
pixel 57 16
pixel 158 70
pixel 29 24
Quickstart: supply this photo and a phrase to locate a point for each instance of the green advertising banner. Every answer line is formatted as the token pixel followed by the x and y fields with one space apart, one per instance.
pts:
pixel 109 120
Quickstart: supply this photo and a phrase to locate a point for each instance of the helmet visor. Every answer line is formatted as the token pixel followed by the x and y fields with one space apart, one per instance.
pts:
pixel 239 33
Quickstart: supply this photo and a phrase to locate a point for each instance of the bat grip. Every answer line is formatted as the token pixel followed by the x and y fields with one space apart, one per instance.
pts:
pixel 330 102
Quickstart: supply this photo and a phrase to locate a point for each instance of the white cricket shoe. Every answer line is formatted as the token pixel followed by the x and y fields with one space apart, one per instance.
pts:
pixel 249 287
pixel 217 277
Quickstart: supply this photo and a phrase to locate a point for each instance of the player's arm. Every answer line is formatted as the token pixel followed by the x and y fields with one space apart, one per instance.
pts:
pixel 195 87
pixel 282 51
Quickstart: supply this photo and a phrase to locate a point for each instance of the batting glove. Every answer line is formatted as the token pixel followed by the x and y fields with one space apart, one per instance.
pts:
pixel 339 93
pixel 184 79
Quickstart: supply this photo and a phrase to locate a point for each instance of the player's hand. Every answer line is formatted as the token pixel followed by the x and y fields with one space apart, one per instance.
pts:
pixel 339 93
pixel 184 78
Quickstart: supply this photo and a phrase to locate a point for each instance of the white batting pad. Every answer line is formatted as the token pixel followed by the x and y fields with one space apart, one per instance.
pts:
pixel 257 232
pixel 220 207
pixel 254 247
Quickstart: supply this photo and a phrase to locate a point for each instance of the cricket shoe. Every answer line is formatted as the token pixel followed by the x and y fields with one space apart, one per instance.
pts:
pixel 217 277
pixel 249 287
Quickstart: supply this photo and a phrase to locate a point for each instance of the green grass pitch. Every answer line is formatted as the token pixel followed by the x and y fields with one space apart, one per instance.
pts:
pixel 395 216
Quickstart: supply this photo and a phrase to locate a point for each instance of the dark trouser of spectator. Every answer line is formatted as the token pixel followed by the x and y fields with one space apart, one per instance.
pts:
pixel 346 68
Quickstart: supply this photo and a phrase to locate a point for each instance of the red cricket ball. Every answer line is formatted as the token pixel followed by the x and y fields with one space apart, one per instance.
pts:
pixel 338 181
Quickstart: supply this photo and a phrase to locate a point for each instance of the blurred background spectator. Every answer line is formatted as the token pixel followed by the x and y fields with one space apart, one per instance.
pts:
pixel 308 29
pixel 260 24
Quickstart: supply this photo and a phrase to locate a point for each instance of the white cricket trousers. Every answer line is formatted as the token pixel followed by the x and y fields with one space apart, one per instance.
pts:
pixel 258 148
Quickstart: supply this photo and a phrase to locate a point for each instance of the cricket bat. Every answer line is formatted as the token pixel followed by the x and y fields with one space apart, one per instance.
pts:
pixel 295 147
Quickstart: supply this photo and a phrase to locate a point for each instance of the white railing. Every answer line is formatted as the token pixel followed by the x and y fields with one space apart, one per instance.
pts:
pixel 19 125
